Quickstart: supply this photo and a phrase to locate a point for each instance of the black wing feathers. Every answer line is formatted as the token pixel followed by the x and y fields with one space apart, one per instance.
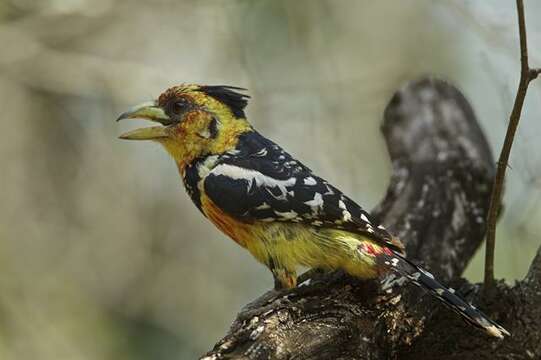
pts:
pixel 260 181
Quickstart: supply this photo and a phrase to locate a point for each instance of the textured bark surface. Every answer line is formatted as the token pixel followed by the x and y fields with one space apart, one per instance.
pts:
pixel 436 203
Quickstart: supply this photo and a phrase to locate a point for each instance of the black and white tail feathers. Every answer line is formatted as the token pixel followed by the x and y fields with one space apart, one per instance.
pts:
pixel 422 278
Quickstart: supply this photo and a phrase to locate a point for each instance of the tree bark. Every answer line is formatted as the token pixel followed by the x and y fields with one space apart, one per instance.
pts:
pixel 437 203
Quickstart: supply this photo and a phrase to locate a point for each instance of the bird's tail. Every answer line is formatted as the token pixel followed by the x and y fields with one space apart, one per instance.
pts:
pixel 422 278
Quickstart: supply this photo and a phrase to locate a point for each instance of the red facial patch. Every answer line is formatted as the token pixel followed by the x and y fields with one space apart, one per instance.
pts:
pixel 169 94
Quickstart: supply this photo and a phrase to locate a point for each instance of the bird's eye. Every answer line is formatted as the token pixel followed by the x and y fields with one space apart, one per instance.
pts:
pixel 179 106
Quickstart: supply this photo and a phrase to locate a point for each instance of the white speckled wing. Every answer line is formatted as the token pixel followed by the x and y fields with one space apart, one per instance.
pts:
pixel 263 182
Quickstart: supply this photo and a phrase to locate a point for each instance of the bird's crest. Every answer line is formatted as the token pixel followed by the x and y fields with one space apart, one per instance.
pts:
pixel 228 95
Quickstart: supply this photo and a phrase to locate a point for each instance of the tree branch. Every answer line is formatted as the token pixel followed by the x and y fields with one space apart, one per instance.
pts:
pixel 534 273
pixel 534 73
pixel 526 75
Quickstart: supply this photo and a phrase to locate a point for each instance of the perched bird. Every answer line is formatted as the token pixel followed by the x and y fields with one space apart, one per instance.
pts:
pixel 270 203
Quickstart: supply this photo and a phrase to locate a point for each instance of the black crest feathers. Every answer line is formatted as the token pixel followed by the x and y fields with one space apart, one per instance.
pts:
pixel 228 96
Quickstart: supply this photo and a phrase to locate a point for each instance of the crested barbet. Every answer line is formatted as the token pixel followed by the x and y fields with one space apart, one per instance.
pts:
pixel 270 203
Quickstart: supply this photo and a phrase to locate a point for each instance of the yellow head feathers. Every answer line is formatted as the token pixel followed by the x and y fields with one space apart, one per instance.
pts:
pixel 197 120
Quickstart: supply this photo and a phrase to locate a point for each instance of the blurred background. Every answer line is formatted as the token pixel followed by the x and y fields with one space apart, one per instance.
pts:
pixel 102 254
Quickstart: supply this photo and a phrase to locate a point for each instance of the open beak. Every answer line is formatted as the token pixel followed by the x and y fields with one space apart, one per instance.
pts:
pixel 148 111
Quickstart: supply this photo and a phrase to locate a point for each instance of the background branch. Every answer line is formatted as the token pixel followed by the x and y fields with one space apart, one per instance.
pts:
pixel 526 75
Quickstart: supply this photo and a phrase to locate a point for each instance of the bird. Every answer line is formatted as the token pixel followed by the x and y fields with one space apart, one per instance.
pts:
pixel 270 203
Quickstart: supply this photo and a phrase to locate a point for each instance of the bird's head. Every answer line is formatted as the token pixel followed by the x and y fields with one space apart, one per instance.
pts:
pixel 196 120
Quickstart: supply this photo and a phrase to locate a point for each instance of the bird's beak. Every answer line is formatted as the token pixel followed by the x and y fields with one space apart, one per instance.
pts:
pixel 148 111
